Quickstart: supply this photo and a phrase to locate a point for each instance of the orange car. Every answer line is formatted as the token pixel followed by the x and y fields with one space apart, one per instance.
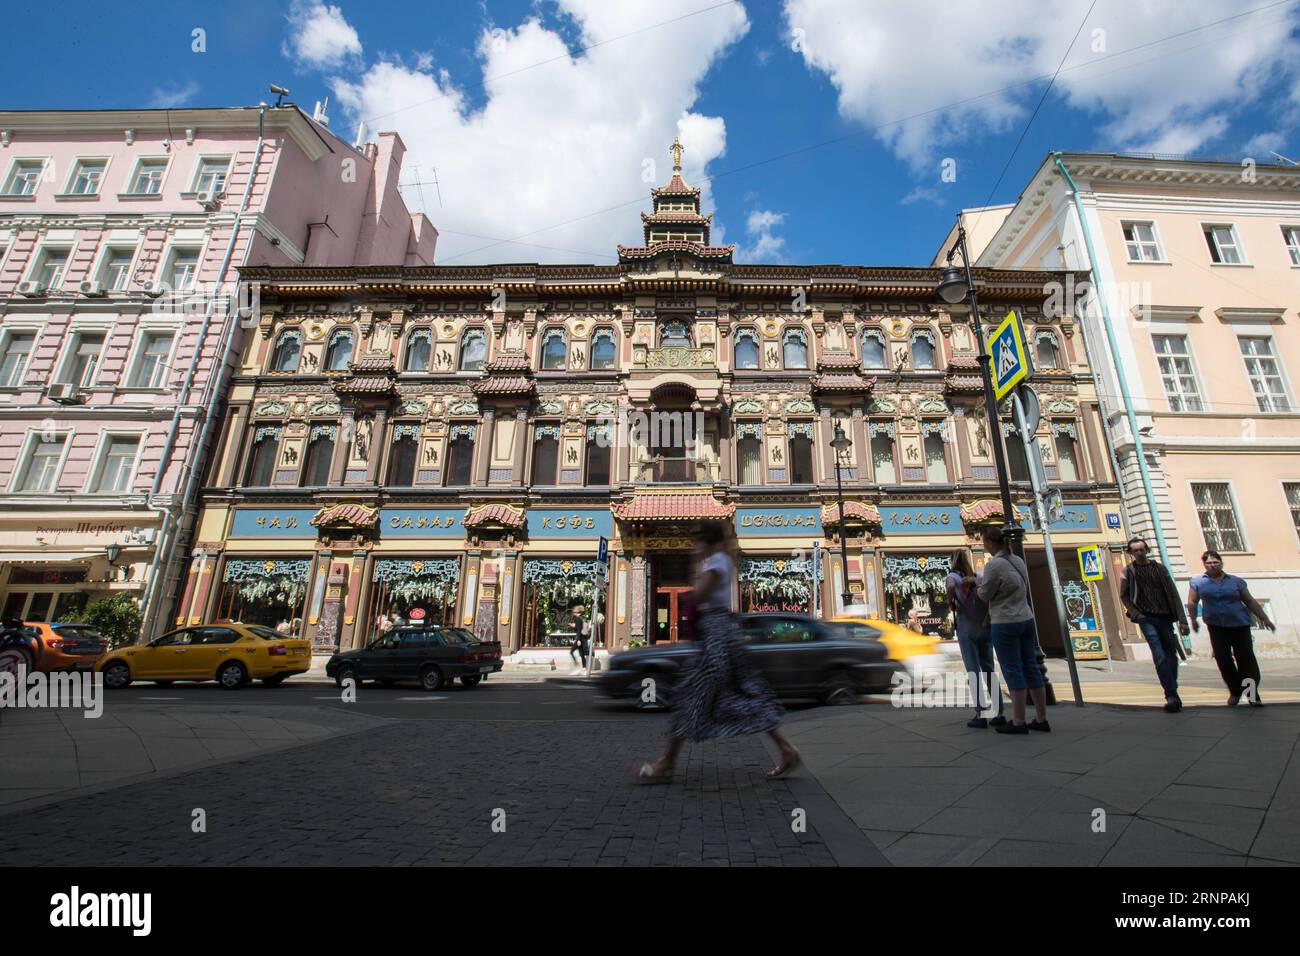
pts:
pixel 37 646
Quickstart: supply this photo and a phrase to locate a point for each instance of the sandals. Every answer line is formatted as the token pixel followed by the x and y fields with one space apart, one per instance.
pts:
pixel 648 775
pixel 787 767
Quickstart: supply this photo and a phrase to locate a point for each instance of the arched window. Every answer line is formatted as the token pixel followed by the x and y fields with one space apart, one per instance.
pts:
pixel 419 349
pixel 604 353
pixel 795 348
pixel 288 349
pixel 473 351
pixel 554 350
pixel 922 349
pixel 1046 354
pixel 339 353
pixel 873 349
pixel 674 334
pixel 746 349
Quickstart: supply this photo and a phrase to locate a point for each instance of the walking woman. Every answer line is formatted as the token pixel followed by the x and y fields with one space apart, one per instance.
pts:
pixel 721 694
pixel 975 640
pixel 1005 586
pixel 1226 604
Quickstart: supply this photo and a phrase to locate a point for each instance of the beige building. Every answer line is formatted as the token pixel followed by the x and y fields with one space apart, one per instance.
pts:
pixel 1197 267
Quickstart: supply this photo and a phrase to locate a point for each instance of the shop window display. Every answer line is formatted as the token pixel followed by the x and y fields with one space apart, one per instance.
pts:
pixel 776 584
pixel 268 592
pixel 915 595
pixel 552 590
pixel 414 589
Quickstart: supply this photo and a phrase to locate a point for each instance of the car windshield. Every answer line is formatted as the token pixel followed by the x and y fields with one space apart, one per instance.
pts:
pixel 265 632
pixel 76 633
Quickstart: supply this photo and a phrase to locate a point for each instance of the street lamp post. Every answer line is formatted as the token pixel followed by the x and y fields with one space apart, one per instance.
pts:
pixel 842 444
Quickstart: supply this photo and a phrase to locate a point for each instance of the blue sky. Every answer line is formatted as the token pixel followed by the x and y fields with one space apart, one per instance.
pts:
pixel 552 150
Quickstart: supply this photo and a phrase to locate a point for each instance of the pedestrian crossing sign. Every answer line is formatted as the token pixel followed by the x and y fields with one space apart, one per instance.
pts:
pixel 1010 363
pixel 1090 566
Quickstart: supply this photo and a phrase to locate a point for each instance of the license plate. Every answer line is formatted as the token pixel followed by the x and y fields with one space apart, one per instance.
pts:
pixel 485 670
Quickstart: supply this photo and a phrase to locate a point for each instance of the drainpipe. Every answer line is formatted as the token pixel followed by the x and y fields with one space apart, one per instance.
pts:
pixel 150 600
pixel 1115 361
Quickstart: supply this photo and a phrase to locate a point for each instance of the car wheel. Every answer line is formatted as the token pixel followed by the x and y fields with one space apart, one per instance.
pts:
pixel 231 675
pixel 347 673
pixel 117 675
pixel 839 689
pixel 430 678
pixel 472 680
pixel 275 680
pixel 13 659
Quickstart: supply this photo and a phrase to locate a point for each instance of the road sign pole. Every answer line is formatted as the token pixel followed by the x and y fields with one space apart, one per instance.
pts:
pixel 1031 448
pixel 602 581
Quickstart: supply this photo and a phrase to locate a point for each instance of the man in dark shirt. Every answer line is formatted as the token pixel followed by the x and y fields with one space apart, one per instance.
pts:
pixel 1151 601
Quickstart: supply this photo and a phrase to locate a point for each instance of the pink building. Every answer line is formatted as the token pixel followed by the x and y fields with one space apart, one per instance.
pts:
pixel 121 236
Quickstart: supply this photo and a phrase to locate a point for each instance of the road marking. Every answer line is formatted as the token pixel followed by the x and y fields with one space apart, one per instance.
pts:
pixel 419 700
pixel 160 698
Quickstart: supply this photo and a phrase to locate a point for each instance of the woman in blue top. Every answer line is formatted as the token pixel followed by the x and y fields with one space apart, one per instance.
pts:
pixel 1226 604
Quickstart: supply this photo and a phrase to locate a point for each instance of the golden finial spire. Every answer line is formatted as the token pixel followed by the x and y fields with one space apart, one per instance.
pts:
pixel 676 150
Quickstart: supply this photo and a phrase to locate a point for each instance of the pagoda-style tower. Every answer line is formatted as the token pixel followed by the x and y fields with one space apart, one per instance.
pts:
pixel 676 225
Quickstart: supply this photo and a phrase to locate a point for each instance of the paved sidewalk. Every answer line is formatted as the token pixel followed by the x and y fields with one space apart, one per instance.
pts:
pixel 1205 787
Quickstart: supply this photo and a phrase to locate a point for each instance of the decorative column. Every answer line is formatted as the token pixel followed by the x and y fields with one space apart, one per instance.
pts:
pixel 485 615
pixel 861 448
pixel 469 599
pixel 508 633
pixel 342 448
pixel 378 442
pixel 825 432
pixel 483 447
pixel 639 584
pixel 521 445
pixel 724 446
pixel 327 630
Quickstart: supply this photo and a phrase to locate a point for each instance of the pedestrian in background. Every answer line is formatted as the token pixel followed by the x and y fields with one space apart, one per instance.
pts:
pixel 1150 600
pixel 975 639
pixel 1226 605
pixel 1005 587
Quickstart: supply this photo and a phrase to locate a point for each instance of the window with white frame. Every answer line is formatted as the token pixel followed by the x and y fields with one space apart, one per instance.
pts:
pixel 182 268
pixel 150 367
pixel 81 359
pixel 873 349
pixel 1225 249
pixel 923 349
pixel 116 461
pixel 1218 514
pixel 473 351
pixel 87 176
pixel 50 266
pixel 15 350
pixel 211 174
pixel 37 474
pixel 115 270
pixel 746 349
pixel 1177 373
pixel 1046 353
pixel 1140 241
pixel 1291 235
pixel 554 350
pixel 148 177
pixel 23 177
pixel 1264 372
pixel 882 452
pixel 1292 489
pixel 339 352
pixel 794 349
pixel 1065 440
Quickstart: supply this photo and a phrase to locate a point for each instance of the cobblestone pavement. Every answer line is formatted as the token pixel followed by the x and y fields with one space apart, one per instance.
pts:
pixel 428 791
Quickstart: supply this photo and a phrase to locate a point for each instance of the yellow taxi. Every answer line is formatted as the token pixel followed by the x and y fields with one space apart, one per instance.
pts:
pixel 230 654
pixel 918 653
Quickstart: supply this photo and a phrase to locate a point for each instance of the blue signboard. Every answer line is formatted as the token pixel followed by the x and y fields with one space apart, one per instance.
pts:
pixel 570 523
pixel 1076 518
pixel 272 523
pixel 1112 520
pixel 421 523
pixel 778 521
pixel 921 519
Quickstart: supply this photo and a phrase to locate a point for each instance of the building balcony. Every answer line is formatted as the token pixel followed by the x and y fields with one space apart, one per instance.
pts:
pixel 678 471
pixel 674 356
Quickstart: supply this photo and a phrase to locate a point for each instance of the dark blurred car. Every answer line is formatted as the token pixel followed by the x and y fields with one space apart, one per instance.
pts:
pixel 429 654
pixel 37 646
pixel 800 657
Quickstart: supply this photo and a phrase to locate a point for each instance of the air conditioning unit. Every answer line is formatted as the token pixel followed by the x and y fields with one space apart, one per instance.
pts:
pixel 90 287
pixel 65 393
pixel 30 287
pixel 210 199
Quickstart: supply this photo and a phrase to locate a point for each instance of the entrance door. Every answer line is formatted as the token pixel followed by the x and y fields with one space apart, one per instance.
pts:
pixel 670 623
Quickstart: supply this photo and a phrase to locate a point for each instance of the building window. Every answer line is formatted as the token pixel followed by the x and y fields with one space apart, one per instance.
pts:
pixel 288 349
pixel 795 349
pixel 182 269
pixel 339 353
pixel 749 453
pixel 1065 439
pixel 1046 353
pixel 115 273
pixel 473 351
pixel 1265 373
pixel 923 349
pixel 49 268
pixel 1218 514
pixel 38 476
pixel 150 368
pixel 801 453
pixel 82 359
pixel 16 350
pixel 873 349
pixel 554 350
pixel 23 178
pixel 1140 241
pixel 261 462
pixel 604 352
pixel 936 463
pixel 1017 460
pixel 211 175
pixel 674 335
pixel 1291 234
pixel 1223 244
pixel 114 472
pixel 1176 372
pixel 598 448
pixel 404 455
pixel 1292 489
pixel 320 456
pixel 419 350
pixel 148 177
pixel 86 177
pixel 460 455
pixel 546 454
pixel 746 349
pixel 882 452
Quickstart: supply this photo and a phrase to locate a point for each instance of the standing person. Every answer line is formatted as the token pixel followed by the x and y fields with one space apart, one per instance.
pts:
pixel 576 647
pixel 1226 604
pixel 1150 600
pixel 1005 587
pixel 382 626
pixel 975 640
pixel 720 694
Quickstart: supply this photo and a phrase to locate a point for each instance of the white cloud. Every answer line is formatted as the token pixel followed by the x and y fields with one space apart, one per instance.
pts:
pixel 763 244
pixel 170 97
pixel 319 35
pixel 1174 92
pixel 556 142
pixel 922 194
pixel 1264 143
pixel 1184 138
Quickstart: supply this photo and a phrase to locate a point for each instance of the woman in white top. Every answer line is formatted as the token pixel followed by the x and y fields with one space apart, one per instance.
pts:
pixel 720 693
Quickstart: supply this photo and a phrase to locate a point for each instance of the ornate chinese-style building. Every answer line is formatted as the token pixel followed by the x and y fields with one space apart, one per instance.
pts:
pixel 450 442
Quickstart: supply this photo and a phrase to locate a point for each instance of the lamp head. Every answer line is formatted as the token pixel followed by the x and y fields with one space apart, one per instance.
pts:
pixel 841 441
pixel 952 287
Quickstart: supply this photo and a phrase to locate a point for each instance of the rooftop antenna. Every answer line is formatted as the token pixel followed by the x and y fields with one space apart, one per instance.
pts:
pixel 319 114
pixel 1288 161
pixel 361 136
